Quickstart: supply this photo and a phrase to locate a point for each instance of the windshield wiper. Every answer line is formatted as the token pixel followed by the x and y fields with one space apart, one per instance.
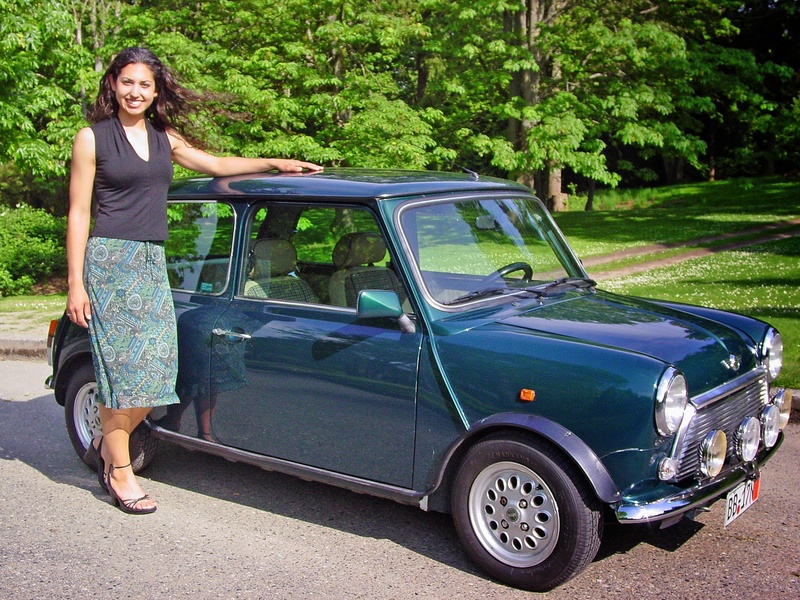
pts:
pixel 539 291
pixel 484 293
pixel 563 282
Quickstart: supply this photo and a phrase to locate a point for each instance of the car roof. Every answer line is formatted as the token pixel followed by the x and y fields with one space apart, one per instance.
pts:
pixel 367 184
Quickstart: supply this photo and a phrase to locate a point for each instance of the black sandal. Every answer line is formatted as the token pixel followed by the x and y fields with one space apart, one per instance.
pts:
pixel 128 506
pixel 94 456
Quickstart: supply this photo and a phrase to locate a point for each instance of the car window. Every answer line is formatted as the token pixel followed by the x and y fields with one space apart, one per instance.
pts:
pixel 198 249
pixel 475 248
pixel 316 254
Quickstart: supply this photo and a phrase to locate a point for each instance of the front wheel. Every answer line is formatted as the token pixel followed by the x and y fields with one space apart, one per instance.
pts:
pixel 524 512
pixel 82 417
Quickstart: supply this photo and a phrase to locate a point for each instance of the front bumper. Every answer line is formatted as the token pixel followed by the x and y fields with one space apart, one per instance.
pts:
pixel 672 508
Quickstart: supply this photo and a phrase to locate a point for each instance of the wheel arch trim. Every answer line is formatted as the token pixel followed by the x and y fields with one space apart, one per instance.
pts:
pixel 562 438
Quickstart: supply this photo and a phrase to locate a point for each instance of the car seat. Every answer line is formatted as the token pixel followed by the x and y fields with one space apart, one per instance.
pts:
pixel 354 258
pixel 272 274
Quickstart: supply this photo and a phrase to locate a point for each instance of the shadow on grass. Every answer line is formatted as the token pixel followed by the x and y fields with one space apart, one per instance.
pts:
pixel 681 213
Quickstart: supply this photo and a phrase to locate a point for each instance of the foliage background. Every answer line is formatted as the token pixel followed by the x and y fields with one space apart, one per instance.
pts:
pixel 560 94
pixel 564 95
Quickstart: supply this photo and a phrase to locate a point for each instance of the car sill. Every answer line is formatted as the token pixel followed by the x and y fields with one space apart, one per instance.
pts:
pixel 305 472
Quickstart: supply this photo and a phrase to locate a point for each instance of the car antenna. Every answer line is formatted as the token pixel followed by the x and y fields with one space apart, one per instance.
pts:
pixel 472 173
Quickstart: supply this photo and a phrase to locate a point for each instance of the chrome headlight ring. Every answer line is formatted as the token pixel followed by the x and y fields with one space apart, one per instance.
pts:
pixel 772 353
pixel 713 451
pixel 770 425
pixel 748 437
pixel 672 396
pixel 782 399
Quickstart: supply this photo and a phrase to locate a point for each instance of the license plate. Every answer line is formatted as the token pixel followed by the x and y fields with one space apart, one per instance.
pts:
pixel 741 498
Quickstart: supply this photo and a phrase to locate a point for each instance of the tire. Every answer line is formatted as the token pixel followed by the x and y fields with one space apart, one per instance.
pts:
pixel 82 418
pixel 524 512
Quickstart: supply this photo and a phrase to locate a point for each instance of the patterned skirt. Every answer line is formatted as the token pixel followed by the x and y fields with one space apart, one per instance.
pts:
pixel 132 331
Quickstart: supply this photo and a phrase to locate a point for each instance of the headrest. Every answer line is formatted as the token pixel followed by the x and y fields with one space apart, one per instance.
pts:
pixel 355 249
pixel 273 258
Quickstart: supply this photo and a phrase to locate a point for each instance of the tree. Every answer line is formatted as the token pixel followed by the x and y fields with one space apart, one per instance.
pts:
pixel 38 81
pixel 769 39
pixel 537 90
pixel 301 79
pixel 557 84
pixel 46 72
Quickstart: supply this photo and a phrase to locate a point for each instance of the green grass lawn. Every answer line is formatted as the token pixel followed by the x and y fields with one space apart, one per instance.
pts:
pixel 30 314
pixel 762 281
pixel 680 213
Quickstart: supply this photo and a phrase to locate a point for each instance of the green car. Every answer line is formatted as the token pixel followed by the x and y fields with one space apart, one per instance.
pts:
pixel 432 338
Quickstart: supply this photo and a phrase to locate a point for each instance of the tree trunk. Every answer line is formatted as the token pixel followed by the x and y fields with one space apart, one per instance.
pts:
pixel 557 200
pixel 769 161
pixel 526 23
pixel 712 163
pixel 590 195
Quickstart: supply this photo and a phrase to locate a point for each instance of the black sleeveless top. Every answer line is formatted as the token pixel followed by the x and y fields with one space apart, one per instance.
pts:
pixel 131 193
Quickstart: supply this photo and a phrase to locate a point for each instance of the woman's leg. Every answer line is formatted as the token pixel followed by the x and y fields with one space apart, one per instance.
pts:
pixel 117 427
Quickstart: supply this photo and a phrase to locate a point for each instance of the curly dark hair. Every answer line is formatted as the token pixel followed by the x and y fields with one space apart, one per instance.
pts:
pixel 171 107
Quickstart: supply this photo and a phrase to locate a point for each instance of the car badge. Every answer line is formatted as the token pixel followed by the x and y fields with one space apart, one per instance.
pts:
pixel 733 362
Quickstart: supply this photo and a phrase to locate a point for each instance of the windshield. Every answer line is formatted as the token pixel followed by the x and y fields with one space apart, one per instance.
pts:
pixel 472 249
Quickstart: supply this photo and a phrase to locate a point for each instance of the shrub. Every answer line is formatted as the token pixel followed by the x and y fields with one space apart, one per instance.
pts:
pixel 14 287
pixel 31 248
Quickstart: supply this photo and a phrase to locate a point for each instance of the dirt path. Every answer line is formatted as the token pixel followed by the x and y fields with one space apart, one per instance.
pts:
pixel 694 249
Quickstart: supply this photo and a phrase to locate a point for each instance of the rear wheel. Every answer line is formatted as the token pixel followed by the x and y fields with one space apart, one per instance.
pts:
pixel 82 417
pixel 524 512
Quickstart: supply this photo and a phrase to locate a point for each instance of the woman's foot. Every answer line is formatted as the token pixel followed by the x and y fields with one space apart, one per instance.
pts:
pixel 207 436
pixel 126 493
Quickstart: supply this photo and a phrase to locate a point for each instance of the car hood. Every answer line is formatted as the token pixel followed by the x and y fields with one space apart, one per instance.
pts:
pixel 708 352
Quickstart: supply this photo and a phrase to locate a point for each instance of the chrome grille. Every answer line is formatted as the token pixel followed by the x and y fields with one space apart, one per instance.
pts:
pixel 725 413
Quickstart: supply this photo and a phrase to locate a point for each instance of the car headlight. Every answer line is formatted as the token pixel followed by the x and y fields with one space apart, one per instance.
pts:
pixel 772 353
pixel 782 399
pixel 770 425
pixel 672 395
pixel 748 436
pixel 713 450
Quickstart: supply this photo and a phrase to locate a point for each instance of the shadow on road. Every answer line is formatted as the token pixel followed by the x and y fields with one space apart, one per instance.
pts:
pixel 33 432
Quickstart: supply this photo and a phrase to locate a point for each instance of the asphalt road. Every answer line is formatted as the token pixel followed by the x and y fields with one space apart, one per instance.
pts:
pixel 233 531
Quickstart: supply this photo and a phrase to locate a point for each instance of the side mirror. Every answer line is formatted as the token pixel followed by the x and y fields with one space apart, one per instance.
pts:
pixel 373 304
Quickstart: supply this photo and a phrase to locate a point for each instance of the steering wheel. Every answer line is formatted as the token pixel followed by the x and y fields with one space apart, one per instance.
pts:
pixel 527 271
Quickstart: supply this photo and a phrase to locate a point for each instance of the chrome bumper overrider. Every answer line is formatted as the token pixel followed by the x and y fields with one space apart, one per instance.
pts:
pixel 695 497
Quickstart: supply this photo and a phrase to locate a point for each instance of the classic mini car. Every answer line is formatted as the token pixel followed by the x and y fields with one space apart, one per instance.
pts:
pixel 431 338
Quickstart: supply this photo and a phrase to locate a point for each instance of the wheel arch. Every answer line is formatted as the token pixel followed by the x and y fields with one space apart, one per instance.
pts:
pixel 561 439
pixel 70 365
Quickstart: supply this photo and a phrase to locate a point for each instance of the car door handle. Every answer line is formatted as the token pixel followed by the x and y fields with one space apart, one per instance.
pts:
pixel 224 333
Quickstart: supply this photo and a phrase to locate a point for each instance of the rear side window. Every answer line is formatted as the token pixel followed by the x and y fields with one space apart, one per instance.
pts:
pixel 316 254
pixel 199 247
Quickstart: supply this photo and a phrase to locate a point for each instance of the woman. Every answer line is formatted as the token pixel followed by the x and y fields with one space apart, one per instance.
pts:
pixel 118 285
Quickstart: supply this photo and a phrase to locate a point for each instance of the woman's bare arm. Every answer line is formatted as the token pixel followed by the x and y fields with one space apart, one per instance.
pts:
pixel 80 204
pixel 219 166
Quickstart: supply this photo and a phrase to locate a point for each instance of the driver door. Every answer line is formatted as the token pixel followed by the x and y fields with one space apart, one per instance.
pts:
pixel 298 378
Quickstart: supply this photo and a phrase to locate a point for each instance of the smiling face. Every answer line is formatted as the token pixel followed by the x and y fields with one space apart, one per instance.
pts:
pixel 134 90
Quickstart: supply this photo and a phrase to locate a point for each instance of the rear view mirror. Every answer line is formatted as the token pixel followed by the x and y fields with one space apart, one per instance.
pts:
pixel 485 222
pixel 373 304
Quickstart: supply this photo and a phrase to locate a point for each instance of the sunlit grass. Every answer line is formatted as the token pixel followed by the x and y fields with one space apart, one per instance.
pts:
pixel 635 218
pixel 761 281
pixel 30 315
pixel 33 304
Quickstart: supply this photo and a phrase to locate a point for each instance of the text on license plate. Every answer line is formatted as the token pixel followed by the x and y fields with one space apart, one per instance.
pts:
pixel 740 498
